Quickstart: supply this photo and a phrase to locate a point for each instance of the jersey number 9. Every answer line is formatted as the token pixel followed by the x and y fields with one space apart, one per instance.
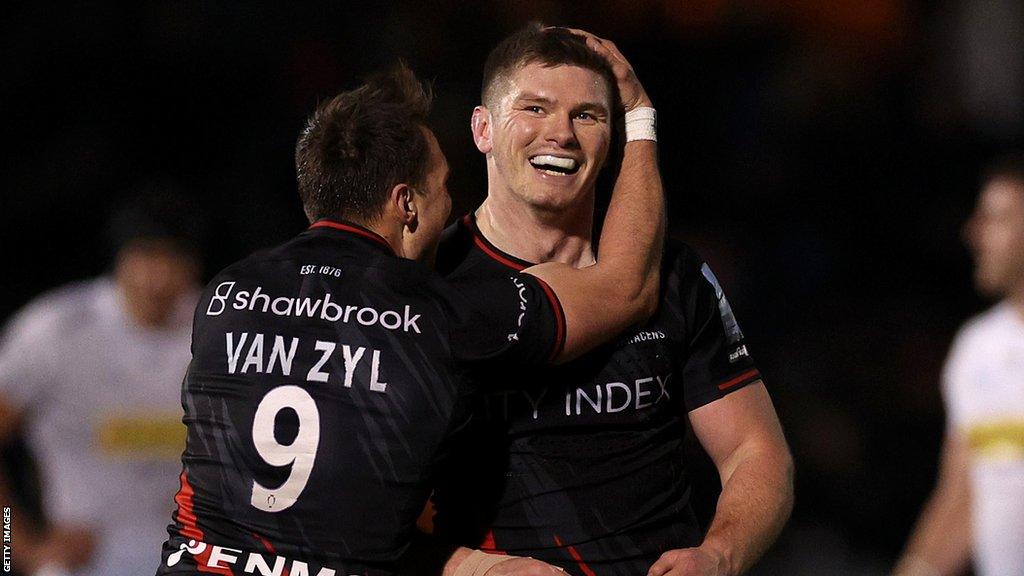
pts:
pixel 300 454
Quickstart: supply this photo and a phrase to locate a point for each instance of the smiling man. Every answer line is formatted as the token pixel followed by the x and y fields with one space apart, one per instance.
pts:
pixel 586 463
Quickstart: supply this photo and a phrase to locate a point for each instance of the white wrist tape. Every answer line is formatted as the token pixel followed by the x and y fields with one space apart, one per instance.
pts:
pixel 478 563
pixel 641 124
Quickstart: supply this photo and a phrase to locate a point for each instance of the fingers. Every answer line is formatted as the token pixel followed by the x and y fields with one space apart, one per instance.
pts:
pixel 631 91
pixel 662 566
pixel 604 47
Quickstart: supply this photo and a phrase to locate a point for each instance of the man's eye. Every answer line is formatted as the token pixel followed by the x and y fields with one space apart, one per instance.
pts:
pixel 585 116
pixel 534 109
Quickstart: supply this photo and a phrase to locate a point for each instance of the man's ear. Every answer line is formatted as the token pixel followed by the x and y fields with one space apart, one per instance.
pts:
pixel 481 126
pixel 402 202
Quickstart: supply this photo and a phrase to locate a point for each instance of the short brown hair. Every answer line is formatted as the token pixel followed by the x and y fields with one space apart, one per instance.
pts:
pixel 358 145
pixel 547 46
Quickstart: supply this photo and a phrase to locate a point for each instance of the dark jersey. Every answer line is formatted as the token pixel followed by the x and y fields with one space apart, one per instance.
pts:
pixel 325 379
pixel 588 468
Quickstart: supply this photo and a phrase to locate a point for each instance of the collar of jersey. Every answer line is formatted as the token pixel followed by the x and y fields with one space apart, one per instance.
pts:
pixel 495 253
pixel 353 229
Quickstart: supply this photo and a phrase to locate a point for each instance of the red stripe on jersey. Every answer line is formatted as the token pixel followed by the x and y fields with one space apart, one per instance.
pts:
pixel 490 545
pixel 482 244
pixel 190 525
pixel 270 548
pixel 746 376
pixel 556 305
pixel 493 254
pixel 355 230
pixel 576 557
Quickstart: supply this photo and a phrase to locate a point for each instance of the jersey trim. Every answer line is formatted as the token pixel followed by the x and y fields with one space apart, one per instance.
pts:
pixel 576 557
pixel 354 229
pixel 743 378
pixel 190 525
pixel 490 249
pixel 490 545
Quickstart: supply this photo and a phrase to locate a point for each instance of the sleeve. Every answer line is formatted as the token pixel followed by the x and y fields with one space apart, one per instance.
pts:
pixel 717 362
pixel 27 357
pixel 513 317
pixel 956 377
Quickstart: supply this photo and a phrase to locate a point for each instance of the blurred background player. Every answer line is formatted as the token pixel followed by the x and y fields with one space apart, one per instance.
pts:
pixel 92 374
pixel 977 508
pixel 588 466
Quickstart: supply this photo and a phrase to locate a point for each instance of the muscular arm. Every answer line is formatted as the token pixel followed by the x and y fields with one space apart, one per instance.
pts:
pixel 741 433
pixel 622 287
pixel 933 549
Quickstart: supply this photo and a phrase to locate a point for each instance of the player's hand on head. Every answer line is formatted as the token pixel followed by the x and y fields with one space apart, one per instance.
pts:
pixel 687 562
pixel 631 92
pixel 524 567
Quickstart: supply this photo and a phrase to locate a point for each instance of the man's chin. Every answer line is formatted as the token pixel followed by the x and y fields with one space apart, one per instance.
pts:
pixel 989 285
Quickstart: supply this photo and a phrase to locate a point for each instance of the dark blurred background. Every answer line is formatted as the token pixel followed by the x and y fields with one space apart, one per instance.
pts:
pixel 821 155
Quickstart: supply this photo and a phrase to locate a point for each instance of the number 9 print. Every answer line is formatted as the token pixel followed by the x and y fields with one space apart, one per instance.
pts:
pixel 300 454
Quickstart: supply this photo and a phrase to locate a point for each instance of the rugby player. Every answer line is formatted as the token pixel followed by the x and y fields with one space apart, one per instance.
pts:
pixel 976 511
pixel 588 460
pixel 327 371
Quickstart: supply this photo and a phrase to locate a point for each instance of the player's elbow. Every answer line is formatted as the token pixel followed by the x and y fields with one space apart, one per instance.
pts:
pixel 641 299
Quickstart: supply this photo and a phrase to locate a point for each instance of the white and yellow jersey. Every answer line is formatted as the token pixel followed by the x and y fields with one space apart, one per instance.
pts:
pixel 984 393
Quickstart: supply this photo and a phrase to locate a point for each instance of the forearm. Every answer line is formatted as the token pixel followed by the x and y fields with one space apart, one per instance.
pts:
pixel 933 548
pixel 622 288
pixel 755 503
pixel 634 228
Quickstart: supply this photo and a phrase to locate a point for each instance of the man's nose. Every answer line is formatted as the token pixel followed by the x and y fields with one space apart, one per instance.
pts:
pixel 561 131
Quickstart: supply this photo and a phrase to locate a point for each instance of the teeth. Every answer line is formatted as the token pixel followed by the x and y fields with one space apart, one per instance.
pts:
pixel 545 159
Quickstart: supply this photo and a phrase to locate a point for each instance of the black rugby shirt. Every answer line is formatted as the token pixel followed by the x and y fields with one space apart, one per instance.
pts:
pixel 325 380
pixel 587 469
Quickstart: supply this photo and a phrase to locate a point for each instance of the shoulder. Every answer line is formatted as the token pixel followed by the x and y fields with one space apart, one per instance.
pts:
pixel 982 329
pixel 467 257
pixel 684 270
pixel 680 256
pixel 974 344
pixel 63 309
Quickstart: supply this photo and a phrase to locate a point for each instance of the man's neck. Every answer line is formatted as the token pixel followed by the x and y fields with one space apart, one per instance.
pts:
pixel 535 236
pixel 391 233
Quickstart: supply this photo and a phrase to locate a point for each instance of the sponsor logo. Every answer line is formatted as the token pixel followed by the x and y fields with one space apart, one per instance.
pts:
pixel 223 558
pixel 738 353
pixel 646 337
pixel 607 398
pixel 514 336
pixel 224 295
